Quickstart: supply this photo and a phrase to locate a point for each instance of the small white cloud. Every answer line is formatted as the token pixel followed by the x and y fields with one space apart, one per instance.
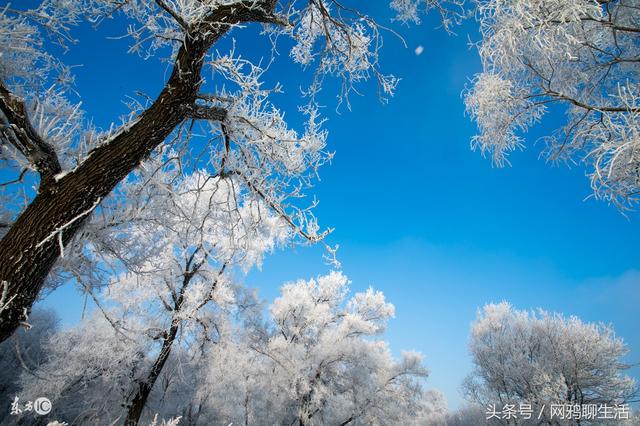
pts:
pixel 419 50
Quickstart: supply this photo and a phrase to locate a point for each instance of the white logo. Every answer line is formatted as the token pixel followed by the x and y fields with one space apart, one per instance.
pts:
pixel 42 406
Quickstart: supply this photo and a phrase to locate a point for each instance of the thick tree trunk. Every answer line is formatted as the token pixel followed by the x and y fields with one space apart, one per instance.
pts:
pixel 32 245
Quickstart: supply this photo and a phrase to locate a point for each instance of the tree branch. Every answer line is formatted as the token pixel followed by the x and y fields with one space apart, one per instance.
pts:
pixel 20 133
pixel 245 11
pixel 580 104
pixel 200 112
pixel 16 180
pixel 164 6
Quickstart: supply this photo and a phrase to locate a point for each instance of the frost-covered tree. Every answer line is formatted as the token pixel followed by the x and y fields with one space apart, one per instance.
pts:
pixel 315 362
pixel 434 409
pixel 200 229
pixel 124 361
pixel 542 358
pixel 24 351
pixel 216 112
pixel 582 55
pixel 88 372
pixel 164 241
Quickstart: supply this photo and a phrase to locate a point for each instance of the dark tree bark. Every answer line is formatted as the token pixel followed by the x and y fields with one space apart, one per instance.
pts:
pixel 32 245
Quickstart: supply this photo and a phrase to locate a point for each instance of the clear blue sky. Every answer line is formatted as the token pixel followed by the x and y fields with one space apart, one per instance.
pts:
pixel 417 214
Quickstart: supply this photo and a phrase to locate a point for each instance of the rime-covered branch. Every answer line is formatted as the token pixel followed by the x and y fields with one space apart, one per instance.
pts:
pixel 578 54
pixel 18 131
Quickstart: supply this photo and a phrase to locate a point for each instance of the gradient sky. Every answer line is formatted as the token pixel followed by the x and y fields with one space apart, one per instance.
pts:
pixel 417 214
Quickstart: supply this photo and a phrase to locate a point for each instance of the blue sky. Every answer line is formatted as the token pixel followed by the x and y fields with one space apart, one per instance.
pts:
pixel 417 214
